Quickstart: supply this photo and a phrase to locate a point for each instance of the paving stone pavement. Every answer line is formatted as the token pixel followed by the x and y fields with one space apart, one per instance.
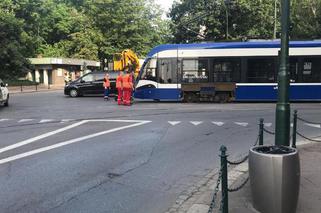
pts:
pixel 198 198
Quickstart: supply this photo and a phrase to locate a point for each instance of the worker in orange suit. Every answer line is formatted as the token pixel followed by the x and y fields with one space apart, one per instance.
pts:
pixel 119 87
pixel 106 86
pixel 127 85
pixel 131 81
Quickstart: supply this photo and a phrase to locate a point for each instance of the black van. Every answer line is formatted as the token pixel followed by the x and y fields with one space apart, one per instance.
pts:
pixel 91 84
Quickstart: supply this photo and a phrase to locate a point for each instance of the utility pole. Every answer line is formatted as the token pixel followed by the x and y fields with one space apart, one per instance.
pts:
pixel 227 3
pixel 282 124
pixel 275 18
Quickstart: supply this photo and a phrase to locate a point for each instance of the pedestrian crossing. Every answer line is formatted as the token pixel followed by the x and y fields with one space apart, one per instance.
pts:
pixel 218 123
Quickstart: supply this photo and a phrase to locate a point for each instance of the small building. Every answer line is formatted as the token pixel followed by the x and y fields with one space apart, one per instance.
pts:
pixel 56 71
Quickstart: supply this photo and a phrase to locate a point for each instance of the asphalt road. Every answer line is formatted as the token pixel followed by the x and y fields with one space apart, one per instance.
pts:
pixel 60 154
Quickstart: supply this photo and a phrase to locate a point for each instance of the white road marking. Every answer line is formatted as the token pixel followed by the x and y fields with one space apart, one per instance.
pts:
pixel 173 123
pixel 25 120
pixel 45 121
pixel 4 119
pixel 241 123
pixel 268 124
pixel 34 139
pixel 313 125
pixel 66 120
pixel 76 140
pixel 218 123
pixel 196 123
pixel 291 124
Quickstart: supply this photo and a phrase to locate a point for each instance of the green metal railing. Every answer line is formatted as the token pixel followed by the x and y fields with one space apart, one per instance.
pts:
pixel 223 172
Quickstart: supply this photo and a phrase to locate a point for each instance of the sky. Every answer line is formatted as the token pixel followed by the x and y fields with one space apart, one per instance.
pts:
pixel 165 4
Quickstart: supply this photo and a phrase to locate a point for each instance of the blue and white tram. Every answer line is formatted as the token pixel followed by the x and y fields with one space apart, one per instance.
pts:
pixel 251 66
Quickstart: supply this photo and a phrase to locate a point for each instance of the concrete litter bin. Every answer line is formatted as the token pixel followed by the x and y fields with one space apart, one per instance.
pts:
pixel 275 178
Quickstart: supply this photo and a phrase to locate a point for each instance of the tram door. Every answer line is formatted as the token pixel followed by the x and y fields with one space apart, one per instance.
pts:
pixel 294 70
pixel 168 79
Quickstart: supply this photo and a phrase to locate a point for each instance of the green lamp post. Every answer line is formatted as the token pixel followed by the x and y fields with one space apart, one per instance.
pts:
pixel 282 124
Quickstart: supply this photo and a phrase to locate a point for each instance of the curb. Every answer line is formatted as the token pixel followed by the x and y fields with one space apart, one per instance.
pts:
pixel 33 91
pixel 198 197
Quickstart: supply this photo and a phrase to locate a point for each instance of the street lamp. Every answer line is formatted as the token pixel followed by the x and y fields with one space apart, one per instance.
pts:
pixel 282 124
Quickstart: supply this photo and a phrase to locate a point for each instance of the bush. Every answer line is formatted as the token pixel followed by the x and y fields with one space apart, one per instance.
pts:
pixel 20 82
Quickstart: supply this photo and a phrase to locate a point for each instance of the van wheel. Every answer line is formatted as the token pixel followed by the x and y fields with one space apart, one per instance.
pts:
pixel 73 93
pixel 7 102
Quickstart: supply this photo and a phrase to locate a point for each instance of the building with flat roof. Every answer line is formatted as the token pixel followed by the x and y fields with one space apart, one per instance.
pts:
pixel 56 71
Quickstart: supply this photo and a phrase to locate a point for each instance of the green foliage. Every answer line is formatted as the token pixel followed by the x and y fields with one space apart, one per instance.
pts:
pixel 198 20
pixel 12 39
pixel 306 19
pixel 17 82
pixel 96 29
pixel 77 28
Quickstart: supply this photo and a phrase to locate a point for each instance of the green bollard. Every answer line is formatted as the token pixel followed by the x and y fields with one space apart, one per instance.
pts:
pixel 261 125
pixel 295 118
pixel 224 179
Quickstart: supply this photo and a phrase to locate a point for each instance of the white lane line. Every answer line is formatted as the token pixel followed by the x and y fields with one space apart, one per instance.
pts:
pixel 173 123
pixel 25 120
pixel 313 125
pixel 4 119
pixel 268 124
pixel 66 120
pixel 45 121
pixel 121 121
pixel 218 123
pixel 241 123
pixel 291 124
pixel 196 123
pixel 34 139
pixel 76 140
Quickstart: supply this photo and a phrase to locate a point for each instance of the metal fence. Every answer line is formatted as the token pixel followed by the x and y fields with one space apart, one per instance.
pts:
pixel 222 179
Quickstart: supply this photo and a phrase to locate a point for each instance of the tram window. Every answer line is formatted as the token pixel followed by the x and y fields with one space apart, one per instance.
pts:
pixel 195 71
pixel 227 70
pixel 167 70
pixel 311 70
pixel 261 70
pixel 149 71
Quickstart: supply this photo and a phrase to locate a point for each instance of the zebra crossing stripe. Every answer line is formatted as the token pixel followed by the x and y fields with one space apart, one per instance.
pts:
pixel 241 123
pixel 173 123
pixel 66 120
pixel 313 125
pixel 268 124
pixel 25 120
pixel 45 121
pixel 196 123
pixel 218 123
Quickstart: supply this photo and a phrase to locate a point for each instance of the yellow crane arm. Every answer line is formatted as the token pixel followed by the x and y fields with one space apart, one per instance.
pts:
pixel 126 59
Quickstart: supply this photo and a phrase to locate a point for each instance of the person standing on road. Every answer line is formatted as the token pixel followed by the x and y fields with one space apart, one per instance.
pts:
pixel 127 85
pixel 106 86
pixel 131 80
pixel 119 87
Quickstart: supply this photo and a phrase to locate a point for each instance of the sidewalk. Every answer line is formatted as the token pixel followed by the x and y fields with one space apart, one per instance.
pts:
pixel 33 88
pixel 241 201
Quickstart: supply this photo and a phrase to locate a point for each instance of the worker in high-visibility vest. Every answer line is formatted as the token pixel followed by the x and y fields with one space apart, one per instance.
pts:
pixel 127 86
pixel 106 86
pixel 119 87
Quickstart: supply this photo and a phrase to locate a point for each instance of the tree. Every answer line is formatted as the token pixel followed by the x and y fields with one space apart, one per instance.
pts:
pixel 12 46
pixel 134 24
pixel 306 19
pixel 217 20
